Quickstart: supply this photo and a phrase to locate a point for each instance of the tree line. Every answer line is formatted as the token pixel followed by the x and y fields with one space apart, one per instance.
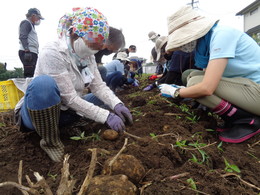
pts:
pixel 9 74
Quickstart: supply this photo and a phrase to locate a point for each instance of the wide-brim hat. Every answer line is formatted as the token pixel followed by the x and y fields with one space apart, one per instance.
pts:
pixel 160 42
pixel 152 35
pixel 122 56
pixel 186 25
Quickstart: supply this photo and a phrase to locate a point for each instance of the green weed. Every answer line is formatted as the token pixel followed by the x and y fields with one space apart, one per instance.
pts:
pixel 192 183
pixel 178 117
pixel 153 135
pixel 210 130
pixel 184 108
pixel 53 177
pixel 181 144
pixel 204 156
pixel 136 112
pixel 231 168
pixel 193 118
pixel 219 147
pixel 152 102
pixel 197 135
pixel 94 137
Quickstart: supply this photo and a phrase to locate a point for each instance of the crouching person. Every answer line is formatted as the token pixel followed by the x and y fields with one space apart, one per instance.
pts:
pixel 65 67
pixel 230 84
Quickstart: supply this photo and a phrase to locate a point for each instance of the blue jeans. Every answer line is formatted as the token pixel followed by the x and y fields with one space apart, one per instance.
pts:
pixel 114 80
pixel 103 72
pixel 43 93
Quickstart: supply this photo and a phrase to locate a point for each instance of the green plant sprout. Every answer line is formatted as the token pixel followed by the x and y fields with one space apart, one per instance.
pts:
pixel 197 135
pixel 136 112
pixel 192 183
pixel 203 154
pixel 204 157
pixel 210 114
pixel 193 119
pixel 210 130
pixel 53 177
pixel 178 117
pixel 153 135
pixel 194 159
pixel 94 136
pixel 152 102
pixel 231 168
pixel 219 147
pixel 2 125
pixel 192 116
pixel 181 143
pixel 184 146
pixel 184 108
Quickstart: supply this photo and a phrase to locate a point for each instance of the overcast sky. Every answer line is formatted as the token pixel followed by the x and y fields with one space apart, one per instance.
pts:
pixel 135 17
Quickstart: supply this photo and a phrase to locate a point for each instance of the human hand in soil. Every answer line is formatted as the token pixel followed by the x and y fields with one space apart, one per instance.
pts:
pixel 115 122
pixel 169 90
pixel 124 113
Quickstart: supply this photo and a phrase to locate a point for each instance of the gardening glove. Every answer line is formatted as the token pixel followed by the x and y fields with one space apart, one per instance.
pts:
pixel 124 113
pixel 169 90
pixel 136 83
pixel 115 122
pixel 153 77
pixel 28 56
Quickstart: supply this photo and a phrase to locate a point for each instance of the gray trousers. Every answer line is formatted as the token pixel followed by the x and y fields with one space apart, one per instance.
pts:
pixel 241 92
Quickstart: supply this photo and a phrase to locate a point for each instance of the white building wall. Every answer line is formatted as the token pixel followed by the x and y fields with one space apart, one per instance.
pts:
pixel 252 19
pixel 149 69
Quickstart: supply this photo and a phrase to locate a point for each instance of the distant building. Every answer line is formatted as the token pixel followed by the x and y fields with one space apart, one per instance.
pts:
pixel 251 15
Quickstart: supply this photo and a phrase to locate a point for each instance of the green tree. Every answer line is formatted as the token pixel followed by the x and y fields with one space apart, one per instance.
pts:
pixel 2 68
pixel 256 37
pixel 9 74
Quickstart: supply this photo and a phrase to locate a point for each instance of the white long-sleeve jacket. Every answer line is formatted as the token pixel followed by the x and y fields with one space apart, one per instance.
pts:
pixel 54 60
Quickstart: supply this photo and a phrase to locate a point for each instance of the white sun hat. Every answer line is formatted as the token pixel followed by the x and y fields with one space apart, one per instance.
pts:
pixel 122 56
pixel 153 36
pixel 160 42
pixel 186 25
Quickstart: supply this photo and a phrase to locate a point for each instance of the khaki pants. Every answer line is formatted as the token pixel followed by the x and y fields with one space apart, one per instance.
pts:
pixel 241 92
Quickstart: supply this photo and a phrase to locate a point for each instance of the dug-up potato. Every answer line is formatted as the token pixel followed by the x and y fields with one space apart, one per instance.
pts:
pixel 127 165
pixel 110 134
pixel 111 184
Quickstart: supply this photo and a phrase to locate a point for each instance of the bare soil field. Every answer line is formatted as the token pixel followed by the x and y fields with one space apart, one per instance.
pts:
pixel 171 148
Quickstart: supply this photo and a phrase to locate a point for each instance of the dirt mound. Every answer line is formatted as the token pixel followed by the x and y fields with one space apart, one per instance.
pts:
pixel 174 141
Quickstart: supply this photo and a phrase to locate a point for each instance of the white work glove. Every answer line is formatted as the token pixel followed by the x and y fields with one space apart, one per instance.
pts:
pixel 168 90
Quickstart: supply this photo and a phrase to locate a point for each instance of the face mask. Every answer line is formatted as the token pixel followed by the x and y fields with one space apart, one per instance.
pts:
pixel 189 47
pixel 82 50
pixel 38 22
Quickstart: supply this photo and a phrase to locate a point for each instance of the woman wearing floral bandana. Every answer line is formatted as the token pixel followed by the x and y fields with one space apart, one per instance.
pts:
pixel 65 68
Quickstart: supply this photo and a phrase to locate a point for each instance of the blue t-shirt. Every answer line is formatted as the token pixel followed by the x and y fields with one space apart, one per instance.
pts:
pixel 113 66
pixel 242 52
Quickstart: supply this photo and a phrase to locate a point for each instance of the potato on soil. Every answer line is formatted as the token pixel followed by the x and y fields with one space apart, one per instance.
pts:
pixel 111 184
pixel 127 165
pixel 110 134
